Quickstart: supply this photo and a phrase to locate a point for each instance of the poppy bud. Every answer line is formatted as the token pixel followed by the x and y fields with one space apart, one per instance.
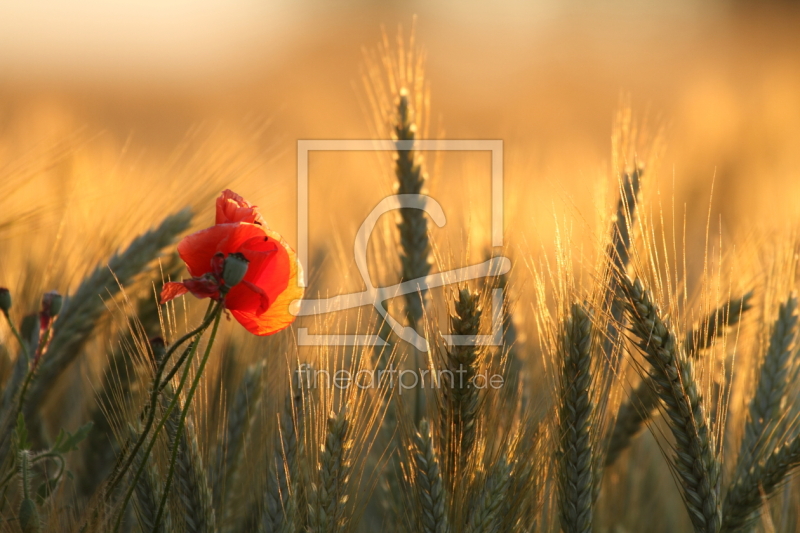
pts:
pixel 29 516
pixel 5 300
pixel 159 348
pixel 51 304
pixel 234 269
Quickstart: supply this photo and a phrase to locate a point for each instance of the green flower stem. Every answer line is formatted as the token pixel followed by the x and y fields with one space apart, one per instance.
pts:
pixel 184 378
pixel 18 336
pixel 151 406
pixel 43 340
pixel 187 404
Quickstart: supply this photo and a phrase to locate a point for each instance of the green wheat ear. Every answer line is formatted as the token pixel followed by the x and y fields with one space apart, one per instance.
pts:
pixel 460 398
pixel 413 225
pixel 149 490
pixel 283 499
pixel 695 461
pixel 575 454
pixel 637 410
pixel 191 480
pixel 84 308
pixel 232 456
pixel 428 481
pixel 327 501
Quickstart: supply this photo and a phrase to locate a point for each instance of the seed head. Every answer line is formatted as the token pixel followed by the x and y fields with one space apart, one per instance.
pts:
pixel 234 269
pixel 5 300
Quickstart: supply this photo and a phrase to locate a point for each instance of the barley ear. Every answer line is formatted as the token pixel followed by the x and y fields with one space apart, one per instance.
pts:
pixel 633 415
pixel 695 462
pixel 725 316
pixel 575 456
pixel 618 259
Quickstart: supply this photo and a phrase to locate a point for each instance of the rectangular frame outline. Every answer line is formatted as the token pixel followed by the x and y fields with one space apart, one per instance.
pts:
pixel 305 146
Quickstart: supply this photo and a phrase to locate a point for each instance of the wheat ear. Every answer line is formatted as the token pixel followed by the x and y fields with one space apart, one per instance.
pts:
pixel 460 402
pixel 638 408
pixel 281 498
pixel 191 480
pixel 430 488
pixel 695 461
pixel 746 495
pixel 84 308
pixel 714 324
pixel 413 226
pixel 770 390
pixel 485 514
pixel 618 259
pixel 119 380
pixel 148 493
pixel 575 424
pixel 328 499
pixel 232 455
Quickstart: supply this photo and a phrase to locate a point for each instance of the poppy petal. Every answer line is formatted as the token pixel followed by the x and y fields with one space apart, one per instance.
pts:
pixel 281 312
pixel 172 290
pixel 233 208
pixel 198 249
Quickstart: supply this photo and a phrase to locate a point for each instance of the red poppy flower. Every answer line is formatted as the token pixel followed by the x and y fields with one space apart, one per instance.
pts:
pixel 233 208
pixel 262 301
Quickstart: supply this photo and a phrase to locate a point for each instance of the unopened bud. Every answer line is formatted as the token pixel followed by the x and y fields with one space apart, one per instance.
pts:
pixel 234 269
pixel 51 304
pixel 5 300
pixel 29 516
pixel 159 348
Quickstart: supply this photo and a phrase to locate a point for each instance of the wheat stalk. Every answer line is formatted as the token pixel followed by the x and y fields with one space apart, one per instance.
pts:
pixel 327 500
pixel 673 376
pixel 575 424
pixel 429 485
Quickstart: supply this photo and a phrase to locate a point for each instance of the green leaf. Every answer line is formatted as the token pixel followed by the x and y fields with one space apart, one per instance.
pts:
pixel 22 434
pixel 68 442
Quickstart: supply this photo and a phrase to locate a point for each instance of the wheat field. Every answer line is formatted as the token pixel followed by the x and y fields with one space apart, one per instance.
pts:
pixel 642 373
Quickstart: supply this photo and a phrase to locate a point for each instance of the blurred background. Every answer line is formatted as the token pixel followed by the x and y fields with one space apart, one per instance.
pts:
pixel 142 81
pixel 114 114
